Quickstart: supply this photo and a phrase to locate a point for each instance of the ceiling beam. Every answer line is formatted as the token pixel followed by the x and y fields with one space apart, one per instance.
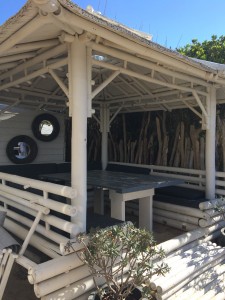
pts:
pixel 105 83
pixel 23 32
pixel 145 63
pixel 200 103
pixel 16 57
pixel 130 85
pixel 34 61
pixel 145 78
pixel 166 58
pixel 25 47
pixel 60 82
pixel 152 106
pixel 34 74
pixel 192 109
pixel 40 94
pixel 7 66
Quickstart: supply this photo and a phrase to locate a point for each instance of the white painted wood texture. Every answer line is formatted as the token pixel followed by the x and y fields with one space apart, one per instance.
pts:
pixel 48 152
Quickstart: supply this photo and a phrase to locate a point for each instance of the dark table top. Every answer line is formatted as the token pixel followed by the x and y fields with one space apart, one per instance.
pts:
pixel 118 181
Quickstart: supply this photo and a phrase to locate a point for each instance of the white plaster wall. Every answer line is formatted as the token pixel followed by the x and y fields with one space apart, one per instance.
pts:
pixel 48 152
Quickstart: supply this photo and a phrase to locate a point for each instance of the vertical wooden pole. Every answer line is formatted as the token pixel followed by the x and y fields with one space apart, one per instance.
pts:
pixel 210 145
pixel 79 102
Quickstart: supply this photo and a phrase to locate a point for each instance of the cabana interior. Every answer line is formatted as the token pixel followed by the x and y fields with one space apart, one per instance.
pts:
pixel 74 64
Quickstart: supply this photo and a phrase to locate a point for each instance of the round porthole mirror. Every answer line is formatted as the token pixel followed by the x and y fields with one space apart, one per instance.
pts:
pixel 45 127
pixel 22 149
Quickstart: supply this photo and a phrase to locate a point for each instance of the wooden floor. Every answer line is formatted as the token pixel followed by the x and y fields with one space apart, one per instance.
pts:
pixel 164 233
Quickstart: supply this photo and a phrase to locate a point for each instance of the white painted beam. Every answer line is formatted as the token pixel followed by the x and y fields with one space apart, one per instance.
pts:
pixel 145 77
pixel 23 32
pixel 40 93
pixel 7 66
pixel 24 47
pixel 47 6
pixel 192 109
pixel 154 95
pixel 136 47
pixel 34 74
pixel 115 114
pixel 200 103
pixel 38 59
pixel 210 146
pixel 66 27
pixel 78 99
pixel 60 82
pixel 89 81
pixel 130 86
pixel 16 57
pixel 105 83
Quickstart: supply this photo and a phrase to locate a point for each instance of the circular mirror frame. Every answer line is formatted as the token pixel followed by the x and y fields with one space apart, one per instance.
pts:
pixel 10 149
pixel 36 127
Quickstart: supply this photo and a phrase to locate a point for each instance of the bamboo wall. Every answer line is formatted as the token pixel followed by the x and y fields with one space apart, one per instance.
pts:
pixel 159 138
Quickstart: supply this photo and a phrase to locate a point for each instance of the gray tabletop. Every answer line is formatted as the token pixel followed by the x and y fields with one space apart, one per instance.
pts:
pixel 118 181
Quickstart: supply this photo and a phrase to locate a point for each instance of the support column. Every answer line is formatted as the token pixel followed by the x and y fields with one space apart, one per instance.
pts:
pixel 104 119
pixel 210 166
pixel 78 101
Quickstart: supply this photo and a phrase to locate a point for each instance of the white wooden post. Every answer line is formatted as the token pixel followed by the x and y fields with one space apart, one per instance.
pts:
pixel 210 146
pixel 104 121
pixel 78 101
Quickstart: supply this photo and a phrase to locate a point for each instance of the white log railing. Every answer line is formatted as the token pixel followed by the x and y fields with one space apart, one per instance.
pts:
pixel 7 259
pixel 192 178
pixel 26 208
pixel 220 183
pixel 65 273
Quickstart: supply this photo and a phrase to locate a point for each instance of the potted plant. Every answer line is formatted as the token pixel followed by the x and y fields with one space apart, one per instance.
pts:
pixel 219 208
pixel 123 256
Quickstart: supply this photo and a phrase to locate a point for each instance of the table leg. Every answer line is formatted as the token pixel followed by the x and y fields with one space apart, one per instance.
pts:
pixel 145 212
pixel 99 201
pixel 117 209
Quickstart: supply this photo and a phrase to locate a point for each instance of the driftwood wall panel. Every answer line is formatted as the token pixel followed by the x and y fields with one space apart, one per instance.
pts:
pixel 160 138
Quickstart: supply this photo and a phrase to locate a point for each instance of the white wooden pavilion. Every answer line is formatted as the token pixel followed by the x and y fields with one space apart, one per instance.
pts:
pixel 59 58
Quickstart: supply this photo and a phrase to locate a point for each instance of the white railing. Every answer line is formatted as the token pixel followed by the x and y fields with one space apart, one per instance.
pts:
pixel 24 205
pixel 34 215
pixel 192 178
pixel 220 183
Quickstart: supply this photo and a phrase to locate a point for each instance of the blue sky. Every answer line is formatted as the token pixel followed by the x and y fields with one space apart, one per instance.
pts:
pixel 171 22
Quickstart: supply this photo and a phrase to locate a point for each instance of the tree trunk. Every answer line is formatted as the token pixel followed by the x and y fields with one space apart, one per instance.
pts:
pixel 175 145
pixel 124 137
pixel 182 157
pixel 159 136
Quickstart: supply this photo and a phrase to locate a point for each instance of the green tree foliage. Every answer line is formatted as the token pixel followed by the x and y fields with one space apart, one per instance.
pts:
pixel 212 50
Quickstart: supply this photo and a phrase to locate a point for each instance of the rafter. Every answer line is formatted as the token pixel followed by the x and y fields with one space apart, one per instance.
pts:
pixel 131 86
pixel 105 83
pixel 16 57
pixel 34 61
pixel 146 64
pixel 25 47
pixel 200 104
pixel 39 93
pixel 23 32
pixel 192 109
pixel 60 82
pixel 146 78
pixel 142 87
pixel 34 74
